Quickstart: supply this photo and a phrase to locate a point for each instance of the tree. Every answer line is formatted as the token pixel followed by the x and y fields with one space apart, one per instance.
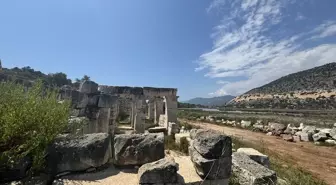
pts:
pixel 58 79
pixel 85 78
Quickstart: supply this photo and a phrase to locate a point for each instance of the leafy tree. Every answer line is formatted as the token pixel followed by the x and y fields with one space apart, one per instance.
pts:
pixel 58 79
pixel 85 78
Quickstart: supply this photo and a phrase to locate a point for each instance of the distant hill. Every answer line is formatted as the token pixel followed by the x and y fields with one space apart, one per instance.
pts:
pixel 310 89
pixel 215 101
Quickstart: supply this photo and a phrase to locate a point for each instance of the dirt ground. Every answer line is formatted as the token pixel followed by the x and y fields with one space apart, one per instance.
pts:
pixel 319 160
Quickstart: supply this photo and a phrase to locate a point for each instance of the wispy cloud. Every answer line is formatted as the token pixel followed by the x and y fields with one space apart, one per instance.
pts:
pixel 252 42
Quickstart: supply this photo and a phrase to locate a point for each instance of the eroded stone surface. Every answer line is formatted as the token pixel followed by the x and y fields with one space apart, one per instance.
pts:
pixel 211 168
pixel 256 156
pixel 79 153
pixel 161 171
pixel 212 144
pixel 249 172
pixel 138 149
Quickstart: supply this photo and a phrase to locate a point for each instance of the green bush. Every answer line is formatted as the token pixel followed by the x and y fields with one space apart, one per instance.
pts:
pixel 29 121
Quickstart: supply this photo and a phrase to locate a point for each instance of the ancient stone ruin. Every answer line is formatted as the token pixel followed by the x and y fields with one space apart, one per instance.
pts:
pixel 106 106
pixel 123 142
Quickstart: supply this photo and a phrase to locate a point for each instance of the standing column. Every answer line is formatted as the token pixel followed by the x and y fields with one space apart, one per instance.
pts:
pixel 139 126
pixel 171 110
pixel 151 110
pixel 158 110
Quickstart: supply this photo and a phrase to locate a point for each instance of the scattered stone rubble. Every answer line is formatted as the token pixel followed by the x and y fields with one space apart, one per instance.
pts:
pixel 288 133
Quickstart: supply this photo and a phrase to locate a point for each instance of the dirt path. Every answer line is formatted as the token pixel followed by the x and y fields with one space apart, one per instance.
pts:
pixel 319 160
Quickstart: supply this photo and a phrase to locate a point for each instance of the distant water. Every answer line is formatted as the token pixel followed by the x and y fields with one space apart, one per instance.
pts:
pixel 204 109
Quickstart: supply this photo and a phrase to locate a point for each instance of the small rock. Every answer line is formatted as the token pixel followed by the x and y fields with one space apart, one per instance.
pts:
pixel 245 124
pixel 330 141
pixel 317 143
pixel 269 133
pixel 333 133
pixel 287 137
pixel 321 136
pixel 258 127
pixel 276 128
pixel 296 138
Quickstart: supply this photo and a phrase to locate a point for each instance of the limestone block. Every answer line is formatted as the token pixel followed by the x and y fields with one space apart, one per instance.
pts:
pixel 211 168
pixel 93 100
pixel 173 128
pixel 78 153
pixel 138 149
pixel 88 87
pixel 139 125
pixel 162 171
pixel 305 136
pixel 157 130
pixel 249 172
pixel 103 120
pixel 256 156
pixel 107 101
pixel 212 144
pixel 81 100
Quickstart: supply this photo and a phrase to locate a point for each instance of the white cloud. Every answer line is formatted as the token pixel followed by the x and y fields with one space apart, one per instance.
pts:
pixel 244 50
pixel 326 29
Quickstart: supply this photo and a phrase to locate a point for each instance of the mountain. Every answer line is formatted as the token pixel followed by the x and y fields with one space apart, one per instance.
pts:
pixel 310 89
pixel 215 101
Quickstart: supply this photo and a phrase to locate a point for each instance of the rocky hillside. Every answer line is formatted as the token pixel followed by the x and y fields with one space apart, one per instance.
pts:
pixel 310 89
pixel 215 101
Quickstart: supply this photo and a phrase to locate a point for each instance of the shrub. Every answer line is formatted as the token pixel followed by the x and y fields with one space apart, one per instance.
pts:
pixel 29 121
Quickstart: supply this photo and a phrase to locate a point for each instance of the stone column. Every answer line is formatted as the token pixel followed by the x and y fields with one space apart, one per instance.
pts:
pixel 158 109
pixel 103 120
pixel 139 124
pixel 171 110
pixel 151 110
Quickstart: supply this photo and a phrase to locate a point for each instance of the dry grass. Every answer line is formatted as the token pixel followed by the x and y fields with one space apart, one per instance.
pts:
pixel 284 168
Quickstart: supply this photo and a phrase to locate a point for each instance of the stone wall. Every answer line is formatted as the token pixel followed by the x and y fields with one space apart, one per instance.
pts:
pixel 103 104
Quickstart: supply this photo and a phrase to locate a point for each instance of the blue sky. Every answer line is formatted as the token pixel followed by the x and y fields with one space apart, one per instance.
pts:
pixel 203 48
